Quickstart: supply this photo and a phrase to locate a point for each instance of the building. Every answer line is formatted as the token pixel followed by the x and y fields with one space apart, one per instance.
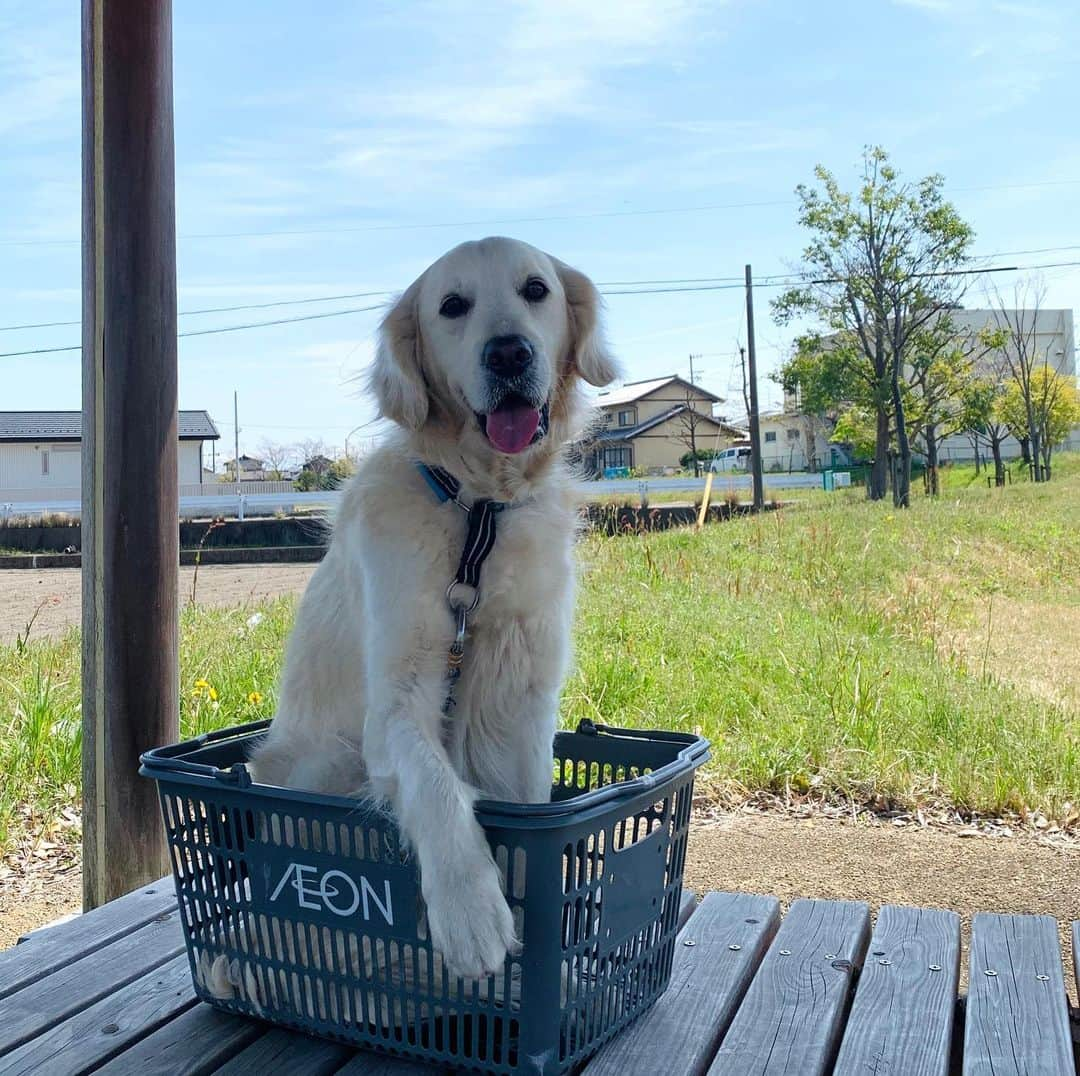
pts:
pixel 252 469
pixel 649 425
pixel 791 441
pixel 1052 341
pixel 41 452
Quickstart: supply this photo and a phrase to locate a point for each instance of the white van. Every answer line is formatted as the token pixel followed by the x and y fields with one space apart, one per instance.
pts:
pixel 736 458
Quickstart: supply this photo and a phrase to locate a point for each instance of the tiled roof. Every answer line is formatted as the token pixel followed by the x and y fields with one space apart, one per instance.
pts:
pixel 27 426
pixel 635 390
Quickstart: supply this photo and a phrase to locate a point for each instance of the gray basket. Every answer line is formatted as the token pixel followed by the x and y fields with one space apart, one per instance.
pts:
pixel 305 910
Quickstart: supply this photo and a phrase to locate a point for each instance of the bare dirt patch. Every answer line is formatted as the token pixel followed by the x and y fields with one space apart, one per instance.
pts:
pixel 881 864
pixel 57 592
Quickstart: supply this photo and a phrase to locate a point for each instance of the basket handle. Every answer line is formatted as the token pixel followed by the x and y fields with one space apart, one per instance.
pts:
pixel 165 760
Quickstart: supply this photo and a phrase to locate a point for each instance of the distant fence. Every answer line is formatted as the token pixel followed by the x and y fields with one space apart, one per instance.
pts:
pixel 64 494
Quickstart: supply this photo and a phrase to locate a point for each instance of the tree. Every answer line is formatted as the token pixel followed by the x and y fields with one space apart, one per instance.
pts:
pixel 276 459
pixel 878 272
pixel 690 421
pixel 1024 356
pixel 939 373
pixel 982 417
pixel 1053 401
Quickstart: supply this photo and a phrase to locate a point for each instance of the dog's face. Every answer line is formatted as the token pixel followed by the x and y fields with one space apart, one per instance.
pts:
pixel 490 336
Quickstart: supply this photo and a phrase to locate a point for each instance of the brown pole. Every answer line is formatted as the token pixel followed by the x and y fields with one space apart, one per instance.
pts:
pixel 755 413
pixel 129 480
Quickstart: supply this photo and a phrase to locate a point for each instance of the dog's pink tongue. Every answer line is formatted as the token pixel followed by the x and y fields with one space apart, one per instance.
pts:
pixel 511 429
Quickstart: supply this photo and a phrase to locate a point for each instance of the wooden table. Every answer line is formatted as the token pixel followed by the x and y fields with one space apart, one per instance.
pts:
pixel 823 990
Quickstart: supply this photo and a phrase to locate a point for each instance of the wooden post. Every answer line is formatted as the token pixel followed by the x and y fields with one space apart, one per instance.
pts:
pixel 129 481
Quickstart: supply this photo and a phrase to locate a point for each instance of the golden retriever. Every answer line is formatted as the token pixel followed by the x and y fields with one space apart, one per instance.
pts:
pixel 479 366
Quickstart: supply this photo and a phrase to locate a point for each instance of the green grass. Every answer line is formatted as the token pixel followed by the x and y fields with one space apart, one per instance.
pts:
pixel 838 646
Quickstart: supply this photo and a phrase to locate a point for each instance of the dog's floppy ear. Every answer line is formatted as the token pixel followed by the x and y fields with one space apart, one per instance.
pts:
pixel 397 377
pixel 588 349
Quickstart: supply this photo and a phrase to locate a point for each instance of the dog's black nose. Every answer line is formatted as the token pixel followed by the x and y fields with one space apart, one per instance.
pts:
pixel 507 356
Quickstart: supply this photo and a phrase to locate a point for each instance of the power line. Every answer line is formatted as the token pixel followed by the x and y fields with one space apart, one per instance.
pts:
pixel 222 309
pixel 766 280
pixel 777 283
pixel 211 332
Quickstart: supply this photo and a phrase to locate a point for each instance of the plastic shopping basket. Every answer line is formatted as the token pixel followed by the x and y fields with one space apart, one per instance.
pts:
pixel 305 909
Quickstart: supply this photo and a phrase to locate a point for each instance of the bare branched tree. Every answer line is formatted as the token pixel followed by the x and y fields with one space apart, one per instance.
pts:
pixel 1024 355
pixel 277 458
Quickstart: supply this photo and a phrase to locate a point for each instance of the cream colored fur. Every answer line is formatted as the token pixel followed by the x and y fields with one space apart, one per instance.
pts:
pixel 365 672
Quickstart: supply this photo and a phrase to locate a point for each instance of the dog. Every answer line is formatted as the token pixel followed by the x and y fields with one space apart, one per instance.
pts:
pixel 479 366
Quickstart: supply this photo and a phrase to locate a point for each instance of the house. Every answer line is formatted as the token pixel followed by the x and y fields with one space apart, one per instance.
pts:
pixel 41 451
pixel 791 441
pixel 252 469
pixel 649 425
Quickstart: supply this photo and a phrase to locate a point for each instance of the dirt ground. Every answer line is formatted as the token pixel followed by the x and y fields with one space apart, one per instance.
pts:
pixel 57 592
pixel 789 858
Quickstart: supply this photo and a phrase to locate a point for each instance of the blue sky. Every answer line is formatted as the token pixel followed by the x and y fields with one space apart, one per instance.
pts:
pixel 636 139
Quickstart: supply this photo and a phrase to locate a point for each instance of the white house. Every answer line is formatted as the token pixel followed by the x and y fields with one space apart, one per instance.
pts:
pixel 41 452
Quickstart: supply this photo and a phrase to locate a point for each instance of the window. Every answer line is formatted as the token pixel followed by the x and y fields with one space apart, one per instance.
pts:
pixel 626 418
pixel 770 437
pixel 44 462
pixel 793 435
pixel 620 456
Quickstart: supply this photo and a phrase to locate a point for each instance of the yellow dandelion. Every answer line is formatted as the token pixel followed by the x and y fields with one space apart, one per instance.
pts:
pixel 212 692
pixel 255 698
pixel 202 685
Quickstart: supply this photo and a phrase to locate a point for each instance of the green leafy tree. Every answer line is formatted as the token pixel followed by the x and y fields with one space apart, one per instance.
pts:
pixel 877 273
pixel 982 417
pixel 1055 404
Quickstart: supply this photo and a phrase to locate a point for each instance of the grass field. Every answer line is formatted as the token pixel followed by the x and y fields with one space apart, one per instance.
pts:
pixel 915 658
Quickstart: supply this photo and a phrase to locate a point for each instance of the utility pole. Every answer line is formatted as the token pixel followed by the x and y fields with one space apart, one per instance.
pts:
pixel 236 440
pixel 755 423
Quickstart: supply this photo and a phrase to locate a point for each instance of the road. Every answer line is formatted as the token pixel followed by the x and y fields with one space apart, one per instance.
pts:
pixel 270 503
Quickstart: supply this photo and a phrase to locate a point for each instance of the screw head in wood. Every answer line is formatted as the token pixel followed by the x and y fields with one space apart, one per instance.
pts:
pixel 785 952
pixel 935 967
pixel 689 943
pixel 830 956
pixel 1043 978
pixel 990 973
pixel 885 963
pixel 734 948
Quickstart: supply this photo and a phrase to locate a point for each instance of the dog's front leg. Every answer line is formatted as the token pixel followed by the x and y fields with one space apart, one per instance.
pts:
pixel 469 920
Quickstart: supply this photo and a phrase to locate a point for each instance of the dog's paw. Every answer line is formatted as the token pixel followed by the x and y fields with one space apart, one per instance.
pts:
pixel 469 921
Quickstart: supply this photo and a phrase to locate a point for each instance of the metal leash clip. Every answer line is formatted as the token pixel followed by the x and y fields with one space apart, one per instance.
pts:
pixel 456 654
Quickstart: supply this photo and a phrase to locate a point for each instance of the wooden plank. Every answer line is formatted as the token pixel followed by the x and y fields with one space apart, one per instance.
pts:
pixel 1017 1015
pixel 791 1019
pixel 287 1052
pixel 370 1063
pixel 1076 957
pixel 901 1020
pixel 715 959
pixel 106 1028
pixel 195 1042
pixel 42 954
pixel 82 982
pixel 130 503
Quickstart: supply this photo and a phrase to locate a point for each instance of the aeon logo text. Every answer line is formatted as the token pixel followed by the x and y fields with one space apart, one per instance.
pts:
pixel 334 891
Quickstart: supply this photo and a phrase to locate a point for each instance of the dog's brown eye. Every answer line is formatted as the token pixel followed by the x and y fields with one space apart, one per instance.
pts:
pixel 453 306
pixel 535 290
